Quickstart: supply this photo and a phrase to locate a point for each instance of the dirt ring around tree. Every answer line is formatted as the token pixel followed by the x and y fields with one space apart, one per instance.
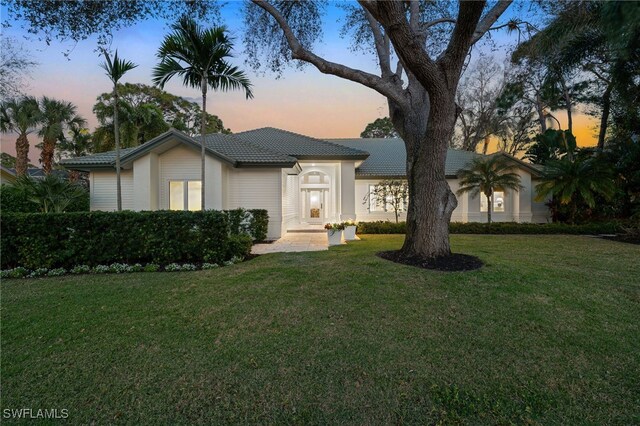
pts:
pixel 455 262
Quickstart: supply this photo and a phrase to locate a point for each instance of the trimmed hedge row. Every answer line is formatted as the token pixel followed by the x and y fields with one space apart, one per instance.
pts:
pixel 383 227
pixel 16 201
pixel 63 240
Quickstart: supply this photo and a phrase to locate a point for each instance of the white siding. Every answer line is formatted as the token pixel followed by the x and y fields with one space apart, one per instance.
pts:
pixel 103 190
pixel 257 189
pixel 179 163
pixel 290 200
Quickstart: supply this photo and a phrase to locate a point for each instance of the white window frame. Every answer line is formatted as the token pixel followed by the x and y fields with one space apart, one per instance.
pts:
pixel 485 207
pixel 185 192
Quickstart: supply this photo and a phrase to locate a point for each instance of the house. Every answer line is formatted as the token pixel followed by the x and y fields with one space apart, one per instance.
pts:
pixel 7 175
pixel 300 180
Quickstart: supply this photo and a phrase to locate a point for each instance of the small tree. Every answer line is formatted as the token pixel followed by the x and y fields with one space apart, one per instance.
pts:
pixel 486 174
pixel 392 194
pixel 380 128
pixel 52 194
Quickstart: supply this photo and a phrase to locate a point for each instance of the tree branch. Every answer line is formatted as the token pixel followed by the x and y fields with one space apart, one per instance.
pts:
pixel 382 45
pixel 382 86
pixel 469 13
pixel 490 18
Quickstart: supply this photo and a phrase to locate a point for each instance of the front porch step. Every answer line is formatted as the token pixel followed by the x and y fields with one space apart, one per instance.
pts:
pixel 306 231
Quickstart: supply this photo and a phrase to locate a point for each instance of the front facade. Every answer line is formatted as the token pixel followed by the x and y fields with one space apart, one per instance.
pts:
pixel 299 180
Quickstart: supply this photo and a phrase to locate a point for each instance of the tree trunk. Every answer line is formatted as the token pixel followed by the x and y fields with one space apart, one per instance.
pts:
pixel 541 117
pixel 485 146
pixel 22 154
pixel 46 156
pixel 489 207
pixel 432 201
pixel 604 119
pixel 116 136
pixel 567 100
pixel 203 127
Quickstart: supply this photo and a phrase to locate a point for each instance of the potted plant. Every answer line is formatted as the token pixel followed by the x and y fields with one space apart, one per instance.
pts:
pixel 349 230
pixel 334 233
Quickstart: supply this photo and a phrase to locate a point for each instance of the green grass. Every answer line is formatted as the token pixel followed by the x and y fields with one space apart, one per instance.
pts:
pixel 547 332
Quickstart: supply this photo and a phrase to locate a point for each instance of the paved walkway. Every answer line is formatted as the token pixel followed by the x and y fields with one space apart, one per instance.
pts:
pixel 293 242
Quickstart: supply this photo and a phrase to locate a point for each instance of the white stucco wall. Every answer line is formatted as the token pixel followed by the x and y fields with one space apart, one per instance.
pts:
pixel 257 189
pixel 290 201
pixel 103 190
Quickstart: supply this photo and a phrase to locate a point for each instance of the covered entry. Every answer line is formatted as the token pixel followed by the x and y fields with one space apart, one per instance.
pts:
pixel 314 197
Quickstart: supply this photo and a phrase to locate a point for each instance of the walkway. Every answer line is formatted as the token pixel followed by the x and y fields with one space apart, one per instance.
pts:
pixel 294 242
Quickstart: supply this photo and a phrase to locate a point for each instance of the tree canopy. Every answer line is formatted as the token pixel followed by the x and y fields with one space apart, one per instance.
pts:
pixel 380 128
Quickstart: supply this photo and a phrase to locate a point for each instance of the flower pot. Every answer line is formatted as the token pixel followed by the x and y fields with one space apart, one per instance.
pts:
pixel 334 237
pixel 350 233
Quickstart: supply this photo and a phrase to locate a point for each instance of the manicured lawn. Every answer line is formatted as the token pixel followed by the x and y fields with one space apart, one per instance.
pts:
pixel 547 332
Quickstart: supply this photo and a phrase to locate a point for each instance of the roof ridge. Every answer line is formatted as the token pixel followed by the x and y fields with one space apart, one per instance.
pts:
pixel 304 136
pixel 252 145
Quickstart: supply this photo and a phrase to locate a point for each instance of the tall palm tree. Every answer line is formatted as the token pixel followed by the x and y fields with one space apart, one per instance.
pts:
pixel 199 56
pixel 115 70
pixel 486 174
pixel 20 116
pixel 57 116
pixel 78 145
pixel 573 180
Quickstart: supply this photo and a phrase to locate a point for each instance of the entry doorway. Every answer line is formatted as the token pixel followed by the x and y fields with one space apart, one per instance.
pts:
pixel 316 205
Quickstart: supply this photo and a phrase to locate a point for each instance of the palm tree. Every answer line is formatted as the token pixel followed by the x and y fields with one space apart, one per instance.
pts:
pixel 78 145
pixel 198 55
pixel 570 181
pixel 115 70
pixel 20 116
pixel 52 193
pixel 56 117
pixel 486 174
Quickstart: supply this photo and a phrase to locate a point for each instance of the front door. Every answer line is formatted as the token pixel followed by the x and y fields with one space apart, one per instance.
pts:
pixel 315 202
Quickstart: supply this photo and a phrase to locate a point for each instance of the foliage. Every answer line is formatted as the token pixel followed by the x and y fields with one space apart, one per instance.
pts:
pixel 253 223
pixel 21 116
pixel 393 194
pixel 56 117
pixel 15 65
pixel 487 174
pixel 380 128
pixel 147 111
pixel 577 181
pixel 50 194
pixel 95 238
pixel 595 228
pixel 551 145
pixel 77 20
pixel 333 227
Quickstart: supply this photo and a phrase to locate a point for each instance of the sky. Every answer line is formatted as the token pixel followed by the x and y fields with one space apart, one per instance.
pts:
pixel 306 101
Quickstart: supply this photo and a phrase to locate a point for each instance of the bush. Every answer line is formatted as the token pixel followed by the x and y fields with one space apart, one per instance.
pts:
pixel 382 227
pixel 63 240
pixel 253 223
pixel 15 200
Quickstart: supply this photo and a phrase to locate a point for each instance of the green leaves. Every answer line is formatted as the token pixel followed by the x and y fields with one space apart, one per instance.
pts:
pixel 117 68
pixel 199 56
pixel 485 174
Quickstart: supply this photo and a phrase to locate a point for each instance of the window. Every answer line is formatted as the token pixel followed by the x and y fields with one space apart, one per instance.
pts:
pixel 185 195
pixel 498 202
pixel 378 192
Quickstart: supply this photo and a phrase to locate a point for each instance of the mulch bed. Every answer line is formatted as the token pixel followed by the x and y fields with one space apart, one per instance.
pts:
pixel 452 263
pixel 623 239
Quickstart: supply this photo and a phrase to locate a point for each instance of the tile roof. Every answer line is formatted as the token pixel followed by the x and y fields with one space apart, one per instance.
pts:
pixel 300 146
pixel 242 151
pixel 388 157
pixel 100 159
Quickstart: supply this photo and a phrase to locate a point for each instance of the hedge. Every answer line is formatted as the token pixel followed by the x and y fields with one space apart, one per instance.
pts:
pixel 253 223
pixel 63 240
pixel 383 227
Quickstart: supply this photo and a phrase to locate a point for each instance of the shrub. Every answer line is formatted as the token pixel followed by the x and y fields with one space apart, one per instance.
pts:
pixel 382 227
pixel 57 240
pixel 15 200
pixel 210 266
pixel 39 272
pixel 80 269
pixel 120 268
pixel 253 223
pixel 151 267
pixel 172 267
pixel 56 272
pixel 101 269
pixel 18 272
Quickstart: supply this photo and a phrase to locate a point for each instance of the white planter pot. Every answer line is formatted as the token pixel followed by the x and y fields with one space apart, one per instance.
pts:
pixel 350 233
pixel 334 237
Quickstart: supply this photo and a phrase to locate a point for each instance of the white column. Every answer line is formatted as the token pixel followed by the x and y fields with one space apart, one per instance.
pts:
pixel 347 190
pixel 145 182
pixel 213 188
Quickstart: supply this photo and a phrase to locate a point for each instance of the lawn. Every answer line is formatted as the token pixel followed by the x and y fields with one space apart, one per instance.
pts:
pixel 547 332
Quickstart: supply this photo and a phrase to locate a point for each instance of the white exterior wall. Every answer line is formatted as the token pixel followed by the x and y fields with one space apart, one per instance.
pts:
pixel 519 205
pixel 103 190
pixel 290 201
pixel 257 189
pixel 145 183
pixel 540 212
pixel 179 163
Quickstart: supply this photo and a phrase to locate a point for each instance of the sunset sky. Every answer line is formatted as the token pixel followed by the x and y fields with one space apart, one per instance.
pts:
pixel 305 101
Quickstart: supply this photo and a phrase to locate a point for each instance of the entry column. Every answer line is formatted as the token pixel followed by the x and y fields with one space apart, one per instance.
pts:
pixel 347 190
